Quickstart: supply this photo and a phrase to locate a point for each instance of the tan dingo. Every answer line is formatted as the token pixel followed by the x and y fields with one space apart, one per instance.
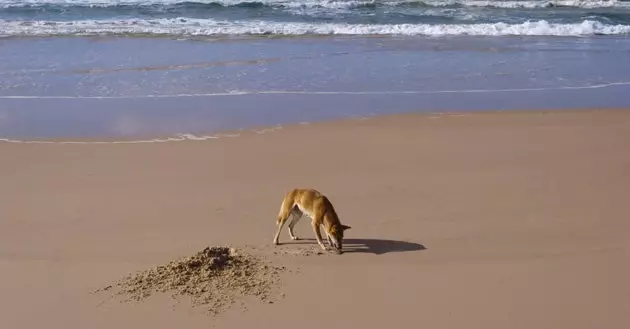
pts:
pixel 315 205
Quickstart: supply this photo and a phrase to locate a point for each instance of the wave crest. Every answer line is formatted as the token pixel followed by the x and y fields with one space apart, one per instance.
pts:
pixel 209 27
pixel 331 4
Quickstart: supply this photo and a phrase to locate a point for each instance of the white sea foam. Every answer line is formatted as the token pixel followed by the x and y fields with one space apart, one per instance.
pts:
pixel 337 92
pixel 209 27
pixel 531 4
pixel 332 4
pixel 176 138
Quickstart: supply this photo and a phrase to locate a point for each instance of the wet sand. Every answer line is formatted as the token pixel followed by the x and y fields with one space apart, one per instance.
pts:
pixel 485 220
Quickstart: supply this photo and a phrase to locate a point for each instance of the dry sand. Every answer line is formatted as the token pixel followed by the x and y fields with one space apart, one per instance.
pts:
pixel 487 220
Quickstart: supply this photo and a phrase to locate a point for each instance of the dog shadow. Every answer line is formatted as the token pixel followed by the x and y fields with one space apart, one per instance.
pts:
pixel 379 246
pixel 373 246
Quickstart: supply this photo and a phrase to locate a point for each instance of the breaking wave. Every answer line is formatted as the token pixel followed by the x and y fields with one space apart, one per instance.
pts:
pixel 210 27
pixel 333 4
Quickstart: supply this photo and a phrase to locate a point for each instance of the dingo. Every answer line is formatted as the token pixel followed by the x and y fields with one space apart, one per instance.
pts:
pixel 316 206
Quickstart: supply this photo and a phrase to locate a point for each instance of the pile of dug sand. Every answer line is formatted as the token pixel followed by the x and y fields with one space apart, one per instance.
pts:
pixel 213 278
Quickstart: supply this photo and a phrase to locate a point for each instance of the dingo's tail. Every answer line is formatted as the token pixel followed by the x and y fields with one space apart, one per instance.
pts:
pixel 285 209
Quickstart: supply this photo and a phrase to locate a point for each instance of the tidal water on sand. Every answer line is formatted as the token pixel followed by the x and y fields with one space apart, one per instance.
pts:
pixel 91 68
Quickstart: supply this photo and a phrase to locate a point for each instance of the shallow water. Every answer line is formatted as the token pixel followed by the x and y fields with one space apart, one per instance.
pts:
pixel 131 86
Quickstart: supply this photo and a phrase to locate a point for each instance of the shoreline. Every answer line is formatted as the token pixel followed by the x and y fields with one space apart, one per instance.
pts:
pixel 266 129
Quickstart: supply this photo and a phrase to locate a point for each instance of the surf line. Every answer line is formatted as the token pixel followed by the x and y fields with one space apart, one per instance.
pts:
pixel 176 138
pixel 297 92
pixel 179 138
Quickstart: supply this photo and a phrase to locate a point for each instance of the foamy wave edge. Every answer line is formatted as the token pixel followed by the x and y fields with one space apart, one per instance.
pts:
pixel 176 138
pixel 332 4
pixel 589 4
pixel 209 27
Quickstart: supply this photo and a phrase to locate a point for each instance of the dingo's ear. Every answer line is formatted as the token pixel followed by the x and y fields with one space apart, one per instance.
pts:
pixel 345 227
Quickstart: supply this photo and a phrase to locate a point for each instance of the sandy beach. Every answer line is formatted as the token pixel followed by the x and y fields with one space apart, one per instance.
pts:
pixel 478 220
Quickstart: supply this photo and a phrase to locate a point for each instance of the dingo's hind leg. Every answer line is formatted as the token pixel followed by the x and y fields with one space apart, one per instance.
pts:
pixel 285 212
pixel 297 214
pixel 279 225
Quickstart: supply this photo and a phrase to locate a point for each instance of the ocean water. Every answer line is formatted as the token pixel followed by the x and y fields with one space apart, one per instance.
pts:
pixel 314 17
pixel 133 68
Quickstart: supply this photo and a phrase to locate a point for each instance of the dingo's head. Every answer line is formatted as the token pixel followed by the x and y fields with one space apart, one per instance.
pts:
pixel 336 235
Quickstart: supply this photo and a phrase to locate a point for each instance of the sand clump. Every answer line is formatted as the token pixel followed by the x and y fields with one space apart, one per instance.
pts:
pixel 214 277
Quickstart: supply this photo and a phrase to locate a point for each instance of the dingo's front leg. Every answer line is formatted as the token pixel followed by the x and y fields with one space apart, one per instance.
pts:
pixel 318 236
pixel 330 243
